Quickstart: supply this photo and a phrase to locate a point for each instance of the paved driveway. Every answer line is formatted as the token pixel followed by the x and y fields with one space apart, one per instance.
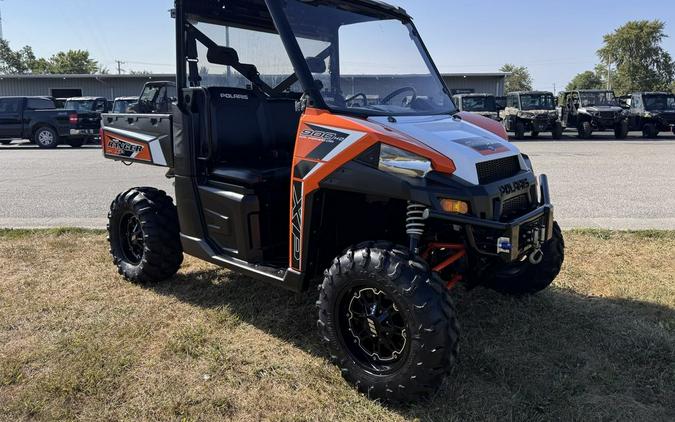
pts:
pixel 599 183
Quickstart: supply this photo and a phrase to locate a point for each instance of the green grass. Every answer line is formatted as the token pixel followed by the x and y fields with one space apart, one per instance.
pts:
pixel 79 343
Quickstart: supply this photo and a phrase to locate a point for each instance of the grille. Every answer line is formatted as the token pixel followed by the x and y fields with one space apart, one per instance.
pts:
pixel 492 171
pixel 515 207
pixel 607 115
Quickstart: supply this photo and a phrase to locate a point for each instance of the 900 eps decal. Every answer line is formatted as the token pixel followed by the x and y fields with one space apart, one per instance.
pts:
pixel 296 221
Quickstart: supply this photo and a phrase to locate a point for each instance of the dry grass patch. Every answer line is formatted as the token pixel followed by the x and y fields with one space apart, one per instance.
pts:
pixel 79 343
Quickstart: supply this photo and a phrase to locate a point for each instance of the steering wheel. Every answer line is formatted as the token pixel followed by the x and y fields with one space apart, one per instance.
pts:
pixel 360 94
pixel 398 92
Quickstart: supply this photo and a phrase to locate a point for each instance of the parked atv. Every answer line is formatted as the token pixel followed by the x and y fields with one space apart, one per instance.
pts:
pixel 390 202
pixel 652 112
pixel 533 112
pixel 480 104
pixel 590 111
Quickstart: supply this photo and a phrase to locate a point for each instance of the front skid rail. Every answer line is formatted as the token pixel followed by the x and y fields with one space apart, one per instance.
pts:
pixel 509 229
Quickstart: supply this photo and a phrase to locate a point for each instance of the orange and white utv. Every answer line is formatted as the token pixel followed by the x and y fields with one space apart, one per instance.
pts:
pixel 315 139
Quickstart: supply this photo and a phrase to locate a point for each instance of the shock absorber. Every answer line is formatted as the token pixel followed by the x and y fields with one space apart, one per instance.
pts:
pixel 415 225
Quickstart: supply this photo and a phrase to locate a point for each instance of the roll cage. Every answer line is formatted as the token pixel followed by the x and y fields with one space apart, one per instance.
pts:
pixel 268 16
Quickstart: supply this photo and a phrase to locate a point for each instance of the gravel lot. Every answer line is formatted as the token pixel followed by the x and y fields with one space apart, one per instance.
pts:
pixel 601 183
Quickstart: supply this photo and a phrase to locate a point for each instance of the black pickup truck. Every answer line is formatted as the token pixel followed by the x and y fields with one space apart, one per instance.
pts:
pixel 38 120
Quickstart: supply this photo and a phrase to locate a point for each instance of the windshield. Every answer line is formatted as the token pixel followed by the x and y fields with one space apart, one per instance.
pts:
pixel 367 64
pixel 537 102
pixel 122 106
pixel 603 98
pixel 479 104
pixel 80 105
pixel 659 102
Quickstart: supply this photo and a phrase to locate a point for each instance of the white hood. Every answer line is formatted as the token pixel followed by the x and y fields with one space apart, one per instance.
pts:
pixel 464 143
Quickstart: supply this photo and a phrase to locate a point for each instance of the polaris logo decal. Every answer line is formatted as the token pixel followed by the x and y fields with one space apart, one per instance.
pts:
pixel 234 96
pixel 514 187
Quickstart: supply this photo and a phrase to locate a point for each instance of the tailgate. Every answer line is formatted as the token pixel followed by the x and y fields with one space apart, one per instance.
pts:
pixel 140 138
pixel 88 121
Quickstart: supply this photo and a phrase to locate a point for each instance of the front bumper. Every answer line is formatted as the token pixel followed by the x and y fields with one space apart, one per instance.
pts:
pixel 522 235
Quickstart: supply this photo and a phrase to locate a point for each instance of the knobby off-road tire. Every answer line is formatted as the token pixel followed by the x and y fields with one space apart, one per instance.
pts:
pixel 585 130
pixel 144 235
pixel 621 130
pixel 519 130
pixel 557 131
pixel 527 278
pixel 423 351
pixel 650 131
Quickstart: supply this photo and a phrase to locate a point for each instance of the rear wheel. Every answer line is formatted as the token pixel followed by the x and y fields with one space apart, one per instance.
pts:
pixel 621 130
pixel 650 131
pixel 46 137
pixel 144 235
pixel 388 322
pixel 557 131
pixel 523 278
pixel 585 130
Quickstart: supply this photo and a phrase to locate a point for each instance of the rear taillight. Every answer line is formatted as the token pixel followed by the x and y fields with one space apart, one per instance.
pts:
pixel 73 119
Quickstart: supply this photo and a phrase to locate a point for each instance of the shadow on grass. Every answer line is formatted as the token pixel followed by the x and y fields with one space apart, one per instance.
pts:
pixel 555 356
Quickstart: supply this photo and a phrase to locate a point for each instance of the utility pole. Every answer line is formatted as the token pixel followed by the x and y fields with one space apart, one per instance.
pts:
pixel 119 66
pixel 1 35
pixel 609 72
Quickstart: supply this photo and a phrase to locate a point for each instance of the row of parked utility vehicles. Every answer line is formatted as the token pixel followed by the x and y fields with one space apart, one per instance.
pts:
pixel 586 111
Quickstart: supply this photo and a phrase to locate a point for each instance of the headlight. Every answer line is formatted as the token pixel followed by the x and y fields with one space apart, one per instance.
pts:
pixel 648 115
pixel 525 115
pixel 397 161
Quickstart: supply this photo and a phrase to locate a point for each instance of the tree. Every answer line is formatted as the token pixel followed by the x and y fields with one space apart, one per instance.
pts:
pixel 13 62
pixel 73 62
pixel 641 62
pixel 587 80
pixel 519 80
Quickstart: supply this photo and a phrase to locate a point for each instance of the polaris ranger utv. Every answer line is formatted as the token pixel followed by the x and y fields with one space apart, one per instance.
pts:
pixel 593 110
pixel 652 112
pixel 480 104
pixel 531 111
pixel 285 178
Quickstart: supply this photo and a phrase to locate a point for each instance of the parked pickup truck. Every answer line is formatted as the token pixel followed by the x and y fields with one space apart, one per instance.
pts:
pixel 38 120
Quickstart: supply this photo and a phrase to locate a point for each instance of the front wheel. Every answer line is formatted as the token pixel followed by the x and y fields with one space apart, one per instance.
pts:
pixel 524 278
pixel 621 130
pixel 557 131
pixel 650 131
pixel 520 130
pixel 388 322
pixel 46 137
pixel 585 130
pixel 144 235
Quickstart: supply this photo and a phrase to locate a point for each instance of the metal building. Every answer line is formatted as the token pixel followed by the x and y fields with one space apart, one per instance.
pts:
pixel 65 86
pixel 112 86
pixel 481 83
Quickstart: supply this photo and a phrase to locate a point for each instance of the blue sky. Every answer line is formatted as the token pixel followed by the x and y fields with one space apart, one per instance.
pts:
pixel 556 40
